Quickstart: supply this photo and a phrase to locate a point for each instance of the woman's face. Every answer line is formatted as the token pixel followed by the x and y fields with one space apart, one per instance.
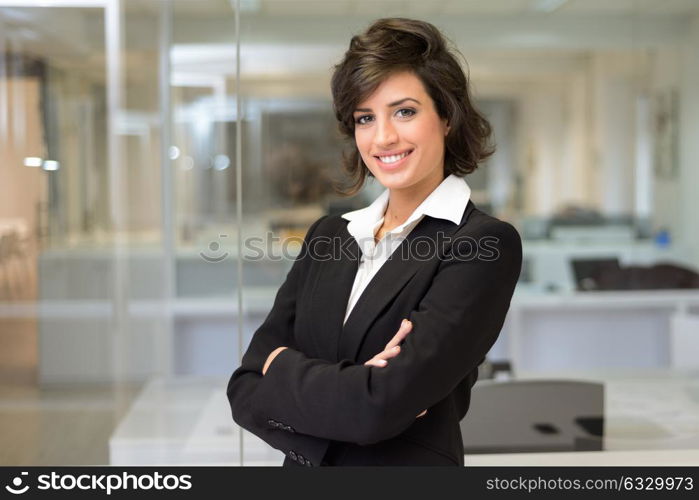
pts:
pixel 400 135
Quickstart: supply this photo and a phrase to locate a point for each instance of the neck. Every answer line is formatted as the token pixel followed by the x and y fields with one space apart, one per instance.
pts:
pixel 403 202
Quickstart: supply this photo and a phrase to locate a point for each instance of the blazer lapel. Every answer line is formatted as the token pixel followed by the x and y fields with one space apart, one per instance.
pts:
pixel 387 282
pixel 335 281
pixel 333 289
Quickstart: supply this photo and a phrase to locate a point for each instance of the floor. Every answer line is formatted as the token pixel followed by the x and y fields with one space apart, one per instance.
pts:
pixel 178 422
pixel 59 425
pixel 52 424
pixel 650 419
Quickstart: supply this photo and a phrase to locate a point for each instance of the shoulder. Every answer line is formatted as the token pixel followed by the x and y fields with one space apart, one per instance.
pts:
pixel 327 225
pixel 484 240
pixel 321 243
pixel 321 236
pixel 479 224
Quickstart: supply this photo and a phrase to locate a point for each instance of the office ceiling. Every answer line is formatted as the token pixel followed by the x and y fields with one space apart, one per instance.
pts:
pixel 314 8
pixel 75 36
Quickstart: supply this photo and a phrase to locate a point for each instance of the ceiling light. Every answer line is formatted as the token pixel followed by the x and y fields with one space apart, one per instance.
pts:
pixel 547 6
pixel 33 161
pixel 221 162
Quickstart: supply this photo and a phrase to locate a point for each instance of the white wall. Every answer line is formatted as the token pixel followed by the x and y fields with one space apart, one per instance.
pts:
pixel 688 228
pixel 615 87
pixel 665 75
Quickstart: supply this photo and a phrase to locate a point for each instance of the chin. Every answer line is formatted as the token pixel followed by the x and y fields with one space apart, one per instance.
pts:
pixel 401 179
pixel 396 186
pixel 395 181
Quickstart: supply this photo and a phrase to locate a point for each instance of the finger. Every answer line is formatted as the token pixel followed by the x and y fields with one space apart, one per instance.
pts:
pixel 379 363
pixel 403 331
pixel 389 353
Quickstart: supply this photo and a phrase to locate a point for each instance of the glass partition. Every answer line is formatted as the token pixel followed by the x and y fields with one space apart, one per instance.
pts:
pixel 160 161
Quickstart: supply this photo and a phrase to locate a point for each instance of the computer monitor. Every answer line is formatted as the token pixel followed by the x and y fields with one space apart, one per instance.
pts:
pixel 587 271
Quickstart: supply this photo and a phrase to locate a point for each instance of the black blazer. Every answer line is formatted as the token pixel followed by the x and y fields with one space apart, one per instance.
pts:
pixel 319 404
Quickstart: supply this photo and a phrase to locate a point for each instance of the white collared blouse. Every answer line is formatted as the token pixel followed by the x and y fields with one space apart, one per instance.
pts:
pixel 447 201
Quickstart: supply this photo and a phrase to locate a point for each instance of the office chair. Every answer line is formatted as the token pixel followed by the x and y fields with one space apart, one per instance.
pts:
pixel 529 416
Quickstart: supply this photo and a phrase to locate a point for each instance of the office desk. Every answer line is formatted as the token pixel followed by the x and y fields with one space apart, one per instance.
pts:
pixel 551 332
pixel 646 458
pixel 652 418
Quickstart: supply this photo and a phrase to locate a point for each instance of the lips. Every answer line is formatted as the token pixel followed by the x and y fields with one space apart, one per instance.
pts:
pixel 390 161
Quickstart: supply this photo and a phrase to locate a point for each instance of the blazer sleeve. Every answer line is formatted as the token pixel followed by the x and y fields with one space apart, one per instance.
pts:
pixel 454 326
pixel 277 330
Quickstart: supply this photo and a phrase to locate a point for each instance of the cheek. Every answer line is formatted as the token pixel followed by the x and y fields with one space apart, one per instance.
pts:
pixel 432 142
pixel 436 139
pixel 363 142
pixel 423 132
pixel 360 139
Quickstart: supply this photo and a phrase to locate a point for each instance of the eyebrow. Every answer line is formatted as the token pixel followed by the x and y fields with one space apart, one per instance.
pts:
pixel 390 105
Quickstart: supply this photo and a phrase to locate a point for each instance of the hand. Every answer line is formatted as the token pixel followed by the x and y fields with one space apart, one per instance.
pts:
pixel 392 350
pixel 270 358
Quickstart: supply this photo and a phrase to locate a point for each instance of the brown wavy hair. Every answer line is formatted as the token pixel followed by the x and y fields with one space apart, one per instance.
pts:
pixel 393 45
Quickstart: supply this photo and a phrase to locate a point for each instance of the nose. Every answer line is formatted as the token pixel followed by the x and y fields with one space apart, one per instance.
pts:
pixel 386 133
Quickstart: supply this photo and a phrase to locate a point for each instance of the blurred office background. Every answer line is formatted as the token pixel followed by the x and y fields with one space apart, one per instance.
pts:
pixel 143 142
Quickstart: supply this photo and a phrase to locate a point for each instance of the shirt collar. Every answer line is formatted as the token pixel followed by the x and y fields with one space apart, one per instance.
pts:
pixel 447 201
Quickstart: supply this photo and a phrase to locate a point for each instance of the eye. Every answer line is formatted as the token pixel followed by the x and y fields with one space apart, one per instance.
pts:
pixel 362 120
pixel 406 112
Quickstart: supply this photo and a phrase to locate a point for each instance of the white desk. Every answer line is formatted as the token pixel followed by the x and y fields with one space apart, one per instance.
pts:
pixel 652 418
pixel 593 330
pixel 661 458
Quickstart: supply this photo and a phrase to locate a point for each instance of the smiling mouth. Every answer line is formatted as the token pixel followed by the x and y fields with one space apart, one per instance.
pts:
pixel 393 158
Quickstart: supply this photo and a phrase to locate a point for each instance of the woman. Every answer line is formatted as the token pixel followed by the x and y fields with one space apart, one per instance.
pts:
pixel 373 343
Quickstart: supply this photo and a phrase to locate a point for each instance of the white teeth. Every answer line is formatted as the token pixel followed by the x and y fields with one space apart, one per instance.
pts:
pixel 393 158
